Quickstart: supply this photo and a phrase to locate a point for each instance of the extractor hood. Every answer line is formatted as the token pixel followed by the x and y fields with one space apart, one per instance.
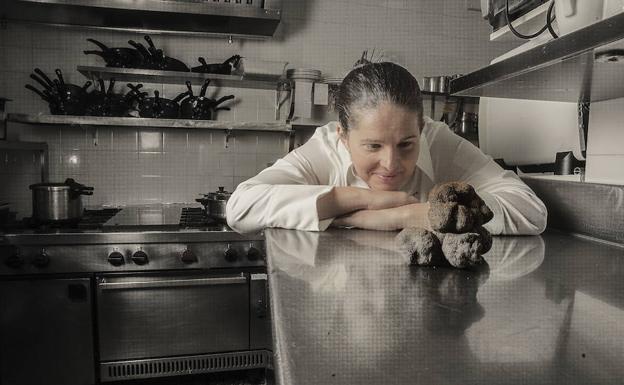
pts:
pixel 239 18
pixel 583 66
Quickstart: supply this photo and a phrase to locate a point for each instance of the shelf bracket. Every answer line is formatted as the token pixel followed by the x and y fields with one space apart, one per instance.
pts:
pixel 583 125
pixel 283 87
pixel 226 140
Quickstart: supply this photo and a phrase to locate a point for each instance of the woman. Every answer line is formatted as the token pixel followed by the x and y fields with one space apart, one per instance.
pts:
pixel 374 168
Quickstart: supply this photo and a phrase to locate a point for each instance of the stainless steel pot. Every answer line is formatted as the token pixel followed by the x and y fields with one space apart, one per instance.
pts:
pixel 58 202
pixel 215 202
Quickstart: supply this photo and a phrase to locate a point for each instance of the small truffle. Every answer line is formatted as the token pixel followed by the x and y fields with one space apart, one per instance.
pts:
pixel 463 250
pixel 450 217
pixel 442 216
pixel 455 207
pixel 422 247
pixel 459 192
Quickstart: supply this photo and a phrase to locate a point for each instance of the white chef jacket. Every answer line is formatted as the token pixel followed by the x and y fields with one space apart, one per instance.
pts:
pixel 285 194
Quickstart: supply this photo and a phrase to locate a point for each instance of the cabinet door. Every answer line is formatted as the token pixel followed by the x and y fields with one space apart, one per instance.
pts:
pixel 46 332
pixel 149 316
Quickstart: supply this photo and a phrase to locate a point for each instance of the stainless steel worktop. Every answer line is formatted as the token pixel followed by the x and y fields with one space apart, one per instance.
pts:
pixel 347 309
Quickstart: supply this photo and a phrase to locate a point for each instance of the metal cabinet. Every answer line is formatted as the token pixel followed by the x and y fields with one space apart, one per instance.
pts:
pixel 46 332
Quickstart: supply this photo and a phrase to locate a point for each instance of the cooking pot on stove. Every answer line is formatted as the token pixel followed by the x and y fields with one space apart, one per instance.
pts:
pixel 215 203
pixel 58 202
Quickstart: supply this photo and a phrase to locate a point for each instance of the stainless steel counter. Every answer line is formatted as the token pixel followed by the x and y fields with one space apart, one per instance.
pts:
pixel 348 310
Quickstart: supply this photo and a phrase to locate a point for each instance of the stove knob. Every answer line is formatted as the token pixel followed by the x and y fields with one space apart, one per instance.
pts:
pixel 116 258
pixel 140 257
pixel 231 255
pixel 15 260
pixel 188 257
pixel 41 260
pixel 253 254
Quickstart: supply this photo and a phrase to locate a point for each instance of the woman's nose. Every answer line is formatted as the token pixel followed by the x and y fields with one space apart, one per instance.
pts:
pixel 390 159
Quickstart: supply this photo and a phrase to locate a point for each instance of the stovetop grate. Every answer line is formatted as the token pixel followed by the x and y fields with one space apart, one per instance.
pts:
pixel 196 218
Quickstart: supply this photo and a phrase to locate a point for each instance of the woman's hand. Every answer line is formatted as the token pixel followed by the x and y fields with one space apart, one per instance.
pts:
pixel 396 218
pixel 379 200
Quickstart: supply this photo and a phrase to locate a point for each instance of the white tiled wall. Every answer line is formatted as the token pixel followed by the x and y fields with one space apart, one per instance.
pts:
pixel 129 165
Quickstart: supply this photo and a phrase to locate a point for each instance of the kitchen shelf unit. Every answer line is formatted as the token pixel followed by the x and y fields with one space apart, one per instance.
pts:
pixel 276 83
pixel 98 121
pixel 572 68
pixel 71 120
pixel 176 77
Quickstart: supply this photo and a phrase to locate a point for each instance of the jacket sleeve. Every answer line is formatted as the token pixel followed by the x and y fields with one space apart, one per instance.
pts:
pixel 285 194
pixel 516 208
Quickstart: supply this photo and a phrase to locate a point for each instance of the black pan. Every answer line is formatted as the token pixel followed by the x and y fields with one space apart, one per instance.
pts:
pixel 72 99
pixel 108 103
pixel 157 107
pixel 147 61
pixel 43 84
pixel 200 107
pixel 62 98
pixel 224 68
pixel 43 96
pixel 44 77
pixel 163 62
pixel 196 107
pixel 121 57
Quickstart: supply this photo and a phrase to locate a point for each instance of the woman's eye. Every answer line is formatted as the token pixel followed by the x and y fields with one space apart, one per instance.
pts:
pixel 373 146
pixel 405 145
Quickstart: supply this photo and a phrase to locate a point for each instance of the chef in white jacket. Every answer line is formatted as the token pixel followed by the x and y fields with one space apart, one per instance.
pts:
pixel 375 167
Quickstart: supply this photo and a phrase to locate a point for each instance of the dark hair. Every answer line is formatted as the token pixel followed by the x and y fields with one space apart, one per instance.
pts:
pixel 370 84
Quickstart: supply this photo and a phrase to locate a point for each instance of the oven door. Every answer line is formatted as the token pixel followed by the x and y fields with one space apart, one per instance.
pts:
pixel 148 316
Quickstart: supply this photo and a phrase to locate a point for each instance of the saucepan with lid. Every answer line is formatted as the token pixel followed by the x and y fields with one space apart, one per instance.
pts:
pixel 215 202
pixel 58 202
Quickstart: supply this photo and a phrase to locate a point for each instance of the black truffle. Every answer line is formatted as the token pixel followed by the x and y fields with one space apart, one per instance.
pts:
pixel 463 250
pixel 421 246
pixel 455 207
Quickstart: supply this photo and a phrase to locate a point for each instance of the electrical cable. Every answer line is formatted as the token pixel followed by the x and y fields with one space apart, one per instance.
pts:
pixel 550 18
pixel 536 34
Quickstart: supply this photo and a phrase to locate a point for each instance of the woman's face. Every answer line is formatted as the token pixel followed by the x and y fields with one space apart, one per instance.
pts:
pixel 384 145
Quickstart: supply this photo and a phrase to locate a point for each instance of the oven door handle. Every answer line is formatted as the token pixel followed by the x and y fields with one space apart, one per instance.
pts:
pixel 239 279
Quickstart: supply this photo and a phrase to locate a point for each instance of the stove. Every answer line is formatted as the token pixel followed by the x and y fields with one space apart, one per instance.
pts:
pixel 130 293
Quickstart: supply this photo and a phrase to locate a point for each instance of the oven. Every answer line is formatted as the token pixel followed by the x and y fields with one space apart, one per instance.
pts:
pixel 154 325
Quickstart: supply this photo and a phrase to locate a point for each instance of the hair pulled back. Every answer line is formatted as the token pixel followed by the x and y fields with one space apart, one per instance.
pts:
pixel 371 84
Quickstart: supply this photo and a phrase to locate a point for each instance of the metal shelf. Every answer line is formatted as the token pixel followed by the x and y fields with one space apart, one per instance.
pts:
pixel 564 69
pixel 259 20
pixel 175 77
pixel 173 7
pixel 148 122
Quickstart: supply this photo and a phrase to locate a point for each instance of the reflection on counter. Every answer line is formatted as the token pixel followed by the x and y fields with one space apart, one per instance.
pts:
pixel 349 309
pixel 304 255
